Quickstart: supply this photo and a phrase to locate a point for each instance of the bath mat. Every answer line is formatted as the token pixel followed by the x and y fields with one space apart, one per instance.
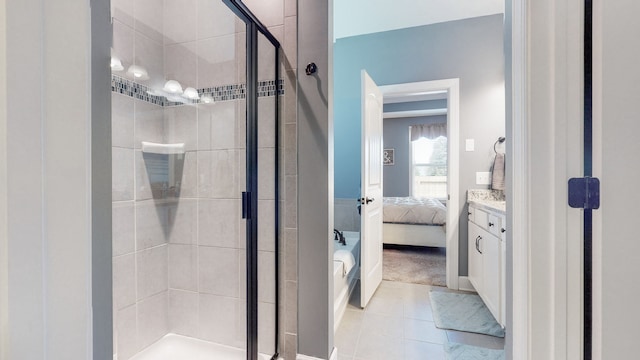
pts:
pixel 457 351
pixel 415 264
pixel 463 312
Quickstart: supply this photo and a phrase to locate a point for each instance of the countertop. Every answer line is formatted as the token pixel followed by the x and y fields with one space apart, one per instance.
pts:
pixel 499 206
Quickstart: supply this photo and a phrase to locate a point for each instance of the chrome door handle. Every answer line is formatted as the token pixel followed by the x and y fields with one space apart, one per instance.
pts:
pixel 478 243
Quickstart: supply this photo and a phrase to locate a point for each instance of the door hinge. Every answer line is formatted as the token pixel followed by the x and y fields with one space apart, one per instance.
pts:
pixel 584 193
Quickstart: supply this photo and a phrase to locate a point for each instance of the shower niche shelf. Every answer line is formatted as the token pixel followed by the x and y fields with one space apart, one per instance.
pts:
pixel 164 164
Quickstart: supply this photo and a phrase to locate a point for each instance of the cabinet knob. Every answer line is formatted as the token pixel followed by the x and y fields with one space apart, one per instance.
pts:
pixel 490 224
pixel 503 230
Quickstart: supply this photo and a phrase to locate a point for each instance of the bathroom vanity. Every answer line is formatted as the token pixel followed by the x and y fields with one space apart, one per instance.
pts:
pixel 487 252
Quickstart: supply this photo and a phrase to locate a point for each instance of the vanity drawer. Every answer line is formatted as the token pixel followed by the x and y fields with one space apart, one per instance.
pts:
pixel 481 218
pixel 494 223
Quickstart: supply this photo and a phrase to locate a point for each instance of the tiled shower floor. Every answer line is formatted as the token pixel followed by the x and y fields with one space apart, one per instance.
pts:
pixel 398 324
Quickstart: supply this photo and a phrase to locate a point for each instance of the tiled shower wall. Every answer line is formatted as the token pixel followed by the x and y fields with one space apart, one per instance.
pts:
pixel 179 265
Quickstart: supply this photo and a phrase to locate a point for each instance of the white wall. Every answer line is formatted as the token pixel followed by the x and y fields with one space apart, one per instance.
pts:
pixel 616 127
pixel 4 333
pixel 48 164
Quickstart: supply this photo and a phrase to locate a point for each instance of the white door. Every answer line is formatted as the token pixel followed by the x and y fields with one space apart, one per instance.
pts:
pixel 371 190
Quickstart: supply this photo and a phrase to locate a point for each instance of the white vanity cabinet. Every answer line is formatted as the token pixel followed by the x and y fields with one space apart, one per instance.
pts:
pixel 486 257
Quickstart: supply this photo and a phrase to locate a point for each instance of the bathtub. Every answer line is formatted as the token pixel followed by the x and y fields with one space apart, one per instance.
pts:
pixel 343 285
pixel 177 347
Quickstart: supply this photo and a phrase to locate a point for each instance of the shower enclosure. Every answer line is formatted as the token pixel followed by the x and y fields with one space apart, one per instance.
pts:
pixel 195 148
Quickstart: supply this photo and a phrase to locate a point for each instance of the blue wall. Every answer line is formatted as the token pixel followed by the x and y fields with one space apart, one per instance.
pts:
pixel 471 50
pixel 468 49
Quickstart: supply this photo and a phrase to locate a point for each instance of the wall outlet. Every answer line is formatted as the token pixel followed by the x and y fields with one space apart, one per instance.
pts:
pixel 483 178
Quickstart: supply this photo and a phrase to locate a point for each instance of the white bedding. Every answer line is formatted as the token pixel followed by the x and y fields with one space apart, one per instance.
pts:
pixel 409 210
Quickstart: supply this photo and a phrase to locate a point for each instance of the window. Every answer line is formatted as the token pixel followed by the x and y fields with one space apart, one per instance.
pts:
pixel 429 168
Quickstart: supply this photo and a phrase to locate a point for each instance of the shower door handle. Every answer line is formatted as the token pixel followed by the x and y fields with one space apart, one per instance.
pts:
pixel 246 205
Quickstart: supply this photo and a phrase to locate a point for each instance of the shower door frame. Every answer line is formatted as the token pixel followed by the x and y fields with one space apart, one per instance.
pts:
pixel 250 196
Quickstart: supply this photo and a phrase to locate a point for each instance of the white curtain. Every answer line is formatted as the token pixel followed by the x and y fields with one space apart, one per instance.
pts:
pixel 429 131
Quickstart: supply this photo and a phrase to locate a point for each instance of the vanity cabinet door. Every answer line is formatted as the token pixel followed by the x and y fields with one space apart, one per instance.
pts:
pixel 491 264
pixel 475 256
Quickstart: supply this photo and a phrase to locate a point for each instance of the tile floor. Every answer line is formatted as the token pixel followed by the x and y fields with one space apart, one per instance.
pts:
pixel 398 325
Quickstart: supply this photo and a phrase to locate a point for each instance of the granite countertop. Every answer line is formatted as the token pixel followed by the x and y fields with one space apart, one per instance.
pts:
pixel 492 200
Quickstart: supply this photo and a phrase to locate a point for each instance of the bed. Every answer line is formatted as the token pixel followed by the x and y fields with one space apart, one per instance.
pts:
pixel 414 221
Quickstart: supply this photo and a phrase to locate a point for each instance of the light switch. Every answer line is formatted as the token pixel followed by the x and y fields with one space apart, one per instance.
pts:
pixel 483 178
pixel 470 145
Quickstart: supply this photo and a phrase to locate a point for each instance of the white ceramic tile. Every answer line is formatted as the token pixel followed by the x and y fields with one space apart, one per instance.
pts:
pixel 152 271
pixel 183 221
pixel 183 267
pixel 417 308
pixel 183 313
pixel 148 18
pixel 180 63
pixel 152 319
pixel 214 19
pixel 149 123
pixel 122 10
pixel 219 127
pixel 217 61
pixel 150 55
pixel 291 346
pixel 122 176
pixel 180 21
pixel 381 347
pixel 291 206
pixel 181 126
pixel 418 350
pixel 218 273
pixel 290 42
pixel 124 281
pixel 220 223
pixel 122 44
pixel 266 276
pixel 270 12
pixel 266 328
pixel 266 225
pixel 290 7
pixel 221 173
pixel 189 184
pixel 142 185
pixel 267 53
pixel 123 218
pixel 291 310
pixel 266 173
pixel 126 335
pixel 151 224
pixel 385 325
pixel 242 274
pixel 290 97
pixel 422 330
pixel 291 149
pixel 386 306
pixel 222 320
pixel 122 115
pixel 346 339
pixel 291 254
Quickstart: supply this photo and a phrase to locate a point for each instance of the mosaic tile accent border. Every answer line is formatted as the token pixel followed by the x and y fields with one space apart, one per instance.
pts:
pixel 132 89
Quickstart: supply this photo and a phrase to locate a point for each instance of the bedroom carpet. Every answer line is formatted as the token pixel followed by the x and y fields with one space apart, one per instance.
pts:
pixel 457 351
pixel 414 264
pixel 463 312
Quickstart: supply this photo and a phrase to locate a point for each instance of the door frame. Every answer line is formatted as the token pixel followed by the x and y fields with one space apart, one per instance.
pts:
pixel 452 87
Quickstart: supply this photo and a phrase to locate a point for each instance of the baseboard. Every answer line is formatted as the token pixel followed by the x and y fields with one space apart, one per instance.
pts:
pixel 334 356
pixel 464 284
